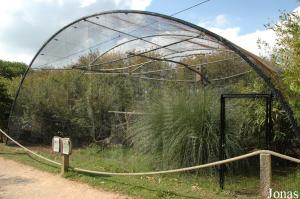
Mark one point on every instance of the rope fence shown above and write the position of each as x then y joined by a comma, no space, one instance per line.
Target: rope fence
202,166
217,163
265,165
30,151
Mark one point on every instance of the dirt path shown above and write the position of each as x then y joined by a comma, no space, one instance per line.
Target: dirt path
20,181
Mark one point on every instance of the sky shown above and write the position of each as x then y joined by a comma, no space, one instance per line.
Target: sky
26,24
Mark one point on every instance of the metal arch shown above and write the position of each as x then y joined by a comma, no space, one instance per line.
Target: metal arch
151,50
241,52
144,63
156,35
132,40
147,62
125,33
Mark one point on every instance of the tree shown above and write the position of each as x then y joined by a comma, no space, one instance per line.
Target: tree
11,69
286,54
8,71
5,103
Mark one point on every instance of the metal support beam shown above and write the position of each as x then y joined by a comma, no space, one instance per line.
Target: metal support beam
270,118
222,142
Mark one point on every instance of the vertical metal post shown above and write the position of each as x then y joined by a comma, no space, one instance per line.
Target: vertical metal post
269,123
267,133
270,118
222,142
265,175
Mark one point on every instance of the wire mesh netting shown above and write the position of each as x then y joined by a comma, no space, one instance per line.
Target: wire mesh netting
141,92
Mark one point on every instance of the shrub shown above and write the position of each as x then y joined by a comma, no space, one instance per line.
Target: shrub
182,130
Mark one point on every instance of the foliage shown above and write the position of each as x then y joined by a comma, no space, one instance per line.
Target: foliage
76,105
253,127
11,69
182,129
286,54
8,71
253,123
5,103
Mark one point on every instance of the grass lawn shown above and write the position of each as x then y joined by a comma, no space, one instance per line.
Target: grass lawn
185,185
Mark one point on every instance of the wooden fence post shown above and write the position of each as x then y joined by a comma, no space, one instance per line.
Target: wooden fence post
265,175
65,164
1,137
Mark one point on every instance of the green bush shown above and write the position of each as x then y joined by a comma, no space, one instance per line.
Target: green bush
182,130
8,72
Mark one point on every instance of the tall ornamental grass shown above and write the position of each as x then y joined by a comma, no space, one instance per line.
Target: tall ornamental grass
181,130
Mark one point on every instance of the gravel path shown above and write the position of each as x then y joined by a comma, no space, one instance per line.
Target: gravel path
19,181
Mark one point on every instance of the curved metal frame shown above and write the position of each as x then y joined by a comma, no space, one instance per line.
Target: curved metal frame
132,40
238,50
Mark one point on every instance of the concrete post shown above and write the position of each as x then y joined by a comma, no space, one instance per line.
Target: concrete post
265,175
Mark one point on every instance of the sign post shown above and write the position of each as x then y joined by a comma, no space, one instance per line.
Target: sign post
65,164
66,152
63,146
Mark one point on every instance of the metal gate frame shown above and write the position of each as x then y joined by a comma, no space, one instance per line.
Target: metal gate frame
268,124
